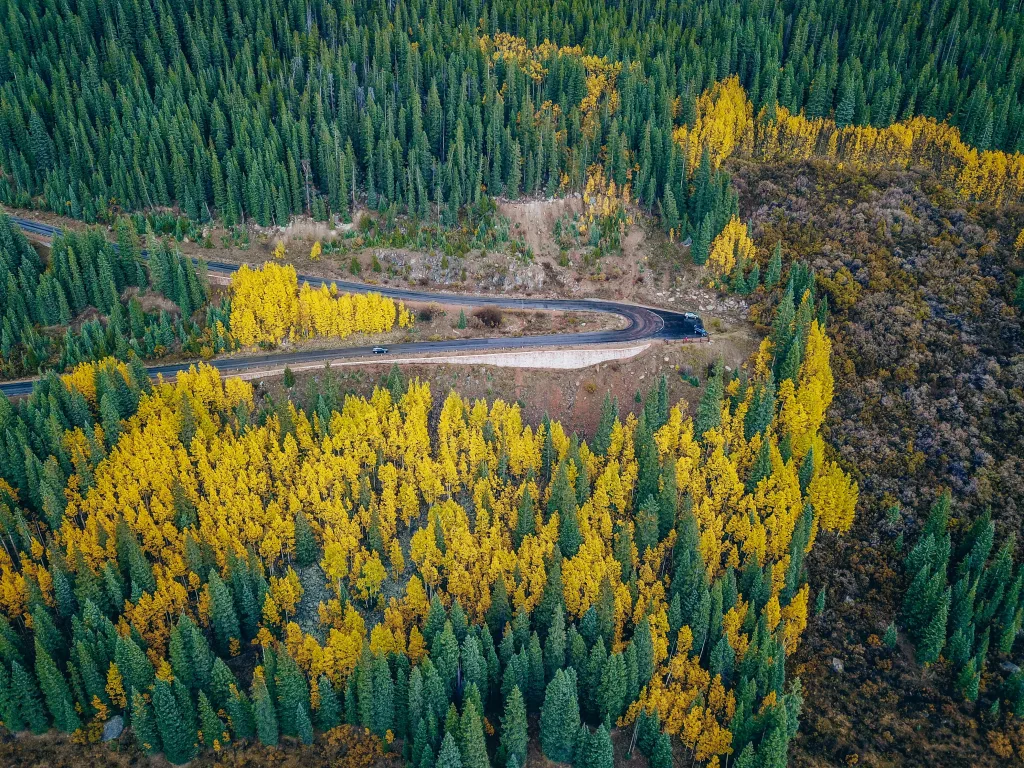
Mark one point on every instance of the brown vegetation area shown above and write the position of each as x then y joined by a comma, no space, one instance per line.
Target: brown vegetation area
929,370
343,746
489,316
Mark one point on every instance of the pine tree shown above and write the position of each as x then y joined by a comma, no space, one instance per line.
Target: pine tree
214,731
190,655
474,667
647,525
363,677
514,738
612,690
605,610
460,624
525,523
402,668
383,717
563,502
599,752
661,754
178,743
133,664
474,746
328,713
668,498
449,756
292,692
535,658
143,726
223,615
622,548
555,645
25,691
10,713
644,644
110,418
609,414
265,715
774,271
1013,692
500,611
669,211
240,712
303,725
445,654
890,637
933,639
436,618
700,247
560,717
968,680
55,689
709,410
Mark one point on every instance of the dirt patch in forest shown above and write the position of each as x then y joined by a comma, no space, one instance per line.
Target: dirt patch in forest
534,220
152,301
85,316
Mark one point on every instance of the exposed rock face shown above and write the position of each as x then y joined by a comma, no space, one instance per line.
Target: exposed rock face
113,728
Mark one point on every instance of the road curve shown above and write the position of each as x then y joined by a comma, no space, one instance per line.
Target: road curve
641,323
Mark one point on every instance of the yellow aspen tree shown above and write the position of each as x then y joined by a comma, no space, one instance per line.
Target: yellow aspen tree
833,495
115,686
731,245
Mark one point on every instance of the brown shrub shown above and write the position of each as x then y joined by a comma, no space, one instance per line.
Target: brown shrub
489,316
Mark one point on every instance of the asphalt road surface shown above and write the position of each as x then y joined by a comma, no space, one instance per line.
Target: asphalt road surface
641,323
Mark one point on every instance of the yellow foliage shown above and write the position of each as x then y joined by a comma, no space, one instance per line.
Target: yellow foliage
271,615
268,306
115,686
794,618
834,497
286,591
732,245
604,204
601,74
992,176
724,124
371,577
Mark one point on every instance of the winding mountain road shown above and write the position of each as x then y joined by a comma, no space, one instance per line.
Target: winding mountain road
641,323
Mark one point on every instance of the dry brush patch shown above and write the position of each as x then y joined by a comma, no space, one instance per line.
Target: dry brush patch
929,366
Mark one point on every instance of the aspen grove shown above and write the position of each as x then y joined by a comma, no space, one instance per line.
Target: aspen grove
477,569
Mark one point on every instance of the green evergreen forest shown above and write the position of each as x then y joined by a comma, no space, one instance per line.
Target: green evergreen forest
260,110
97,283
